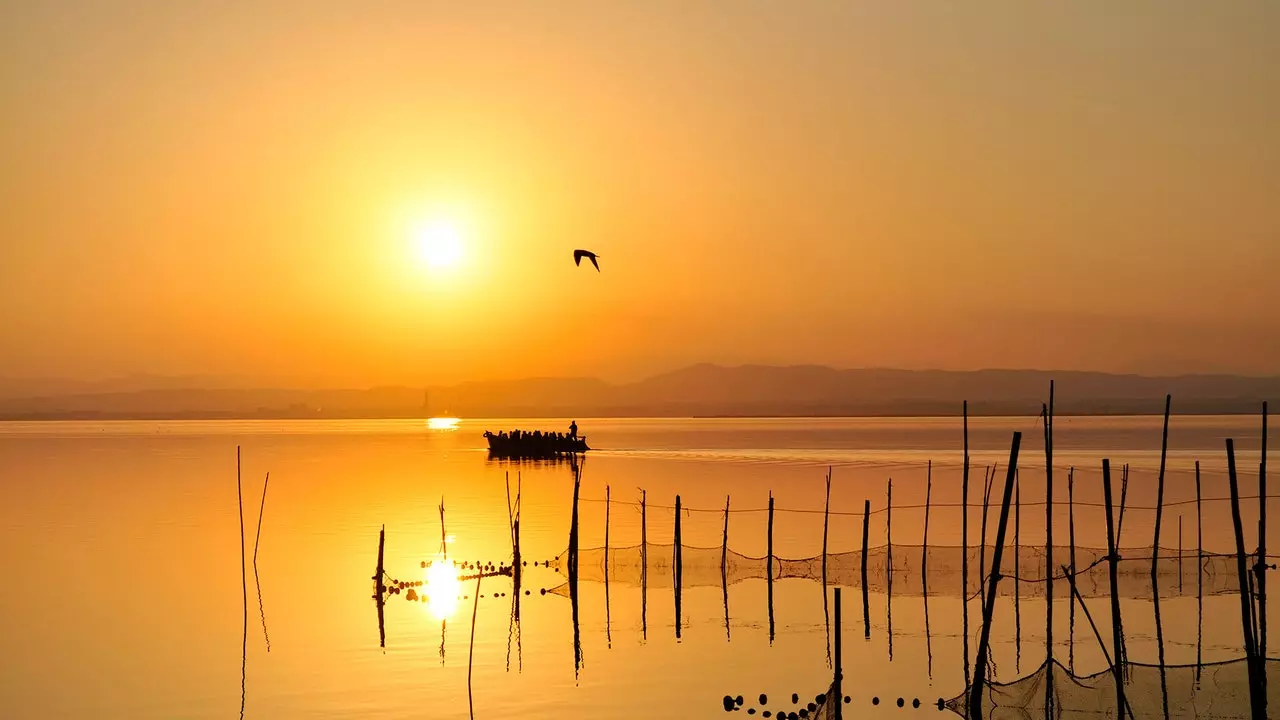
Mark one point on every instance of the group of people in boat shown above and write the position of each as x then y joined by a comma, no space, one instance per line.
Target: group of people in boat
537,436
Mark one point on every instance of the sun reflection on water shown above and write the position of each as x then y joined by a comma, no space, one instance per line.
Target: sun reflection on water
442,423
441,588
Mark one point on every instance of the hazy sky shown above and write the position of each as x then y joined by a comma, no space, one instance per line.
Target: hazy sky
230,188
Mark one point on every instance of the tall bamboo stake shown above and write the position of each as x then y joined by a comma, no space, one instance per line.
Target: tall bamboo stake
826,512
1261,565
1017,574
724,567
1117,631
988,611
1048,555
1199,577
1257,702
964,546
644,569
769,567
837,684
679,569
866,601
606,533
1071,540
888,537
1164,449
924,548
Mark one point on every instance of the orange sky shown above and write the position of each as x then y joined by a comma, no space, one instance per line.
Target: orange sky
201,188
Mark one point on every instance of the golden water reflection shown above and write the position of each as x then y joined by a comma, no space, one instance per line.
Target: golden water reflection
441,588
442,423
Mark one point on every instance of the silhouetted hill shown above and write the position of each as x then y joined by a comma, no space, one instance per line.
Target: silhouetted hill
704,390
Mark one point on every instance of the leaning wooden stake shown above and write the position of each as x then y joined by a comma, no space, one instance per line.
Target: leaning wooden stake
988,610
1071,579
1117,631
1257,702
866,602
964,546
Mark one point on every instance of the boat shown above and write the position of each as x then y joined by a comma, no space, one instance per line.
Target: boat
521,444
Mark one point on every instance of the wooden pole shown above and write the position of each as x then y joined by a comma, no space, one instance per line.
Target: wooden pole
769,568
1049,696
1164,449
1017,574
837,684
606,534
826,512
1257,702
866,601
888,567
924,549
244,579
989,478
724,539
679,569
379,588
573,531
1261,566
1117,631
988,611
1180,563
256,582
1155,558
644,569
724,567
1124,496
1071,541
471,651
1199,577
964,546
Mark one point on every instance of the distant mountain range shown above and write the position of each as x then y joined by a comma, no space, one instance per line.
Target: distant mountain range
699,390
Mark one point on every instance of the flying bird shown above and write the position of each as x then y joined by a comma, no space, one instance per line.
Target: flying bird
579,254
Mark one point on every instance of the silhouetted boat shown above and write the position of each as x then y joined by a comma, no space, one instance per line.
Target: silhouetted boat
527,445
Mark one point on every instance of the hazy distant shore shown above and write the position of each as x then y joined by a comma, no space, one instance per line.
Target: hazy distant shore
703,391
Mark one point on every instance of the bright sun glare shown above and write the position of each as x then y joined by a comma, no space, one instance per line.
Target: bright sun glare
438,244
442,588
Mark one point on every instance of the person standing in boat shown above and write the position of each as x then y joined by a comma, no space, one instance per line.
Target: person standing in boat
573,429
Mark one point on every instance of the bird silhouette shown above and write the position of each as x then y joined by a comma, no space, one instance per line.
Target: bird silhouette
579,254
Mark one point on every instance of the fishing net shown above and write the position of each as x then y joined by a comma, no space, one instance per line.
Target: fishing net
1212,690
940,566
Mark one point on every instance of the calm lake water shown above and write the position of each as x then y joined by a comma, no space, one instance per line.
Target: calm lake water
120,545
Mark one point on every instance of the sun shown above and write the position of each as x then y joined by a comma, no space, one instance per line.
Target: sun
438,244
